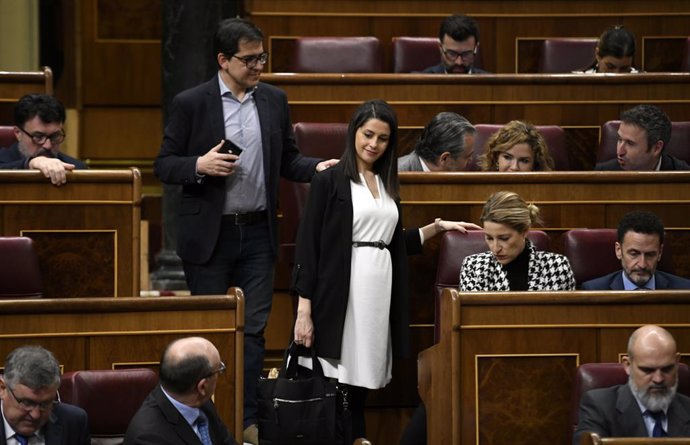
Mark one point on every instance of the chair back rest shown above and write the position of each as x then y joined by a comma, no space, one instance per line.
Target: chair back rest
413,54
554,136
678,146
565,55
110,398
337,55
603,375
685,63
320,140
455,246
592,253
7,137
20,274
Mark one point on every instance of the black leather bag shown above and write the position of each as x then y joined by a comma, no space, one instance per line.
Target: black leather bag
297,409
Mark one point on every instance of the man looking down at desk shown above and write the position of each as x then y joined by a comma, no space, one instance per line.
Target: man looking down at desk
458,45
644,133
648,406
38,127
639,246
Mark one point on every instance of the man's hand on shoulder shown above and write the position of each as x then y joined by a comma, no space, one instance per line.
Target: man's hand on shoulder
216,163
52,168
323,165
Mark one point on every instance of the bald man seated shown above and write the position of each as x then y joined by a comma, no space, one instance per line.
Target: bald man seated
180,410
648,406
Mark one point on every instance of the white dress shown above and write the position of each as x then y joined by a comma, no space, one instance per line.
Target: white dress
366,358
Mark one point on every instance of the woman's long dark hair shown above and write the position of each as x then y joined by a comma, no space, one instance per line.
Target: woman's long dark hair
616,42
386,166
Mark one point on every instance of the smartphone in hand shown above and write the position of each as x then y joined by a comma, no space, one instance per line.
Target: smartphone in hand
230,148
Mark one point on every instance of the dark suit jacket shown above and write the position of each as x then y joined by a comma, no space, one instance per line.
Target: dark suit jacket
441,69
68,425
194,127
614,412
614,281
159,422
411,162
668,163
322,263
12,159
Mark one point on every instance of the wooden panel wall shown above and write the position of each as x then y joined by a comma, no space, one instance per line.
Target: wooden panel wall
501,23
503,370
86,232
93,333
14,85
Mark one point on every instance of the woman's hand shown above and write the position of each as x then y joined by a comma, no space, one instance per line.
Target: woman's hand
461,226
304,326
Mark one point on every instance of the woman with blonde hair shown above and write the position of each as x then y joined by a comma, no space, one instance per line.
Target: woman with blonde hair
517,147
512,262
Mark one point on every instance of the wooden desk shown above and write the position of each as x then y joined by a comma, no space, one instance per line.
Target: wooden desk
86,232
579,103
112,333
503,370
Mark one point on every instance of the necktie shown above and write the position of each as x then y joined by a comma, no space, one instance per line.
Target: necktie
202,426
23,440
658,417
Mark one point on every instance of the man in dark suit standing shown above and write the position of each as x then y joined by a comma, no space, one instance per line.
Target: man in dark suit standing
180,409
458,45
648,406
38,127
643,134
227,217
639,247
30,411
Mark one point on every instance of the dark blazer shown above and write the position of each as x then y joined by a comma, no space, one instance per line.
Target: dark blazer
159,422
668,163
322,263
12,159
441,69
411,162
614,412
68,425
194,127
614,281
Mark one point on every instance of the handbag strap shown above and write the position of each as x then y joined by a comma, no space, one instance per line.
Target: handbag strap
290,370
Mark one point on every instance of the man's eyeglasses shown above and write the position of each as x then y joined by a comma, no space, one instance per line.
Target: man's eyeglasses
41,138
465,55
221,369
30,405
252,61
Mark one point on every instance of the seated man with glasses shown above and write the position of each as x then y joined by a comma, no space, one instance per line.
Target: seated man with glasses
38,121
458,46
30,410
180,409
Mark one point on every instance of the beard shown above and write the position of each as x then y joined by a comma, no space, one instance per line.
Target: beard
658,400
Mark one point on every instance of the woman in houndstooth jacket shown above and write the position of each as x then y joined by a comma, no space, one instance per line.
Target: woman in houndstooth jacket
512,263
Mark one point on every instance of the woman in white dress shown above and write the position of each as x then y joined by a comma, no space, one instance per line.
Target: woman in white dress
350,263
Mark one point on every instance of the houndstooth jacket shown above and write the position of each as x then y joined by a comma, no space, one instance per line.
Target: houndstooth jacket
546,271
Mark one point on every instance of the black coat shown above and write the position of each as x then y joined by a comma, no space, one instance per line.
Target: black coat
12,159
668,163
322,263
159,422
194,127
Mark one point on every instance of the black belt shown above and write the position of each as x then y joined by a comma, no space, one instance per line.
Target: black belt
244,219
379,244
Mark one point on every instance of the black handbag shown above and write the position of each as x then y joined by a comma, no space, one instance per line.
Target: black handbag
297,409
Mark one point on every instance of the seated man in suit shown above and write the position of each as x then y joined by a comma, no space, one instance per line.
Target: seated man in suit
180,409
38,122
648,406
643,135
31,413
458,45
446,144
639,246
